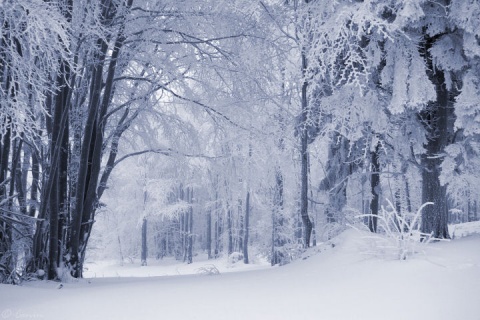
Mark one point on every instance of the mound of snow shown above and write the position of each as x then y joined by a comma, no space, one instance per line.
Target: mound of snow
464,229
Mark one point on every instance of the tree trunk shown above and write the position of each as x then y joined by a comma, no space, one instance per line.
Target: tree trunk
217,225
240,227
375,186
218,230
307,224
437,120
5,238
247,228
209,234
230,231
101,93
21,173
57,197
475,214
35,184
278,240
190,228
144,242
217,237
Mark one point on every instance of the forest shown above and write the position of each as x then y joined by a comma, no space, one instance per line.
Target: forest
140,130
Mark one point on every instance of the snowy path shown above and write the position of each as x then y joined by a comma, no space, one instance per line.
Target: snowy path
338,283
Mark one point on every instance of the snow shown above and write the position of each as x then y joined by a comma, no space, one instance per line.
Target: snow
167,267
335,280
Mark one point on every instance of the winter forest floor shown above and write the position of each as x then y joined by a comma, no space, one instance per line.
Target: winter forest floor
336,281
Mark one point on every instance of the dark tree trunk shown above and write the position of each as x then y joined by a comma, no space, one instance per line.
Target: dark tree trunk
209,234
240,227
21,173
475,213
307,224
5,239
216,226
407,196
190,228
434,217
437,120
35,184
314,233
144,242
230,231
471,212
217,238
374,187
186,222
246,228
86,198
278,240
218,229
57,198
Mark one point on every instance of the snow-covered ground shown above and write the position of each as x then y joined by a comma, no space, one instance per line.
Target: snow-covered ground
168,267
334,281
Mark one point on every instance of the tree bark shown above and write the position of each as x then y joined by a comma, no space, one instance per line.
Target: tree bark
190,228
374,187
247,228
230,231
144,242
278,221
307,223
5,237
57,197
437,120
101,94
218,227
209,235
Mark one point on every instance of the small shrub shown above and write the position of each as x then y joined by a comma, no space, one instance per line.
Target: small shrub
398,234
208,270
235,257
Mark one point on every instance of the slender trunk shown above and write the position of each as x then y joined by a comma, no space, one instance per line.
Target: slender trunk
186,221
307,224
21,178
190,228
374,185
475,214
470,211
407,196
35,184
5,239
15,165
314,233
230,231
218,232
122,126
209,234
247,228
217,238
239,227
144,242
278,221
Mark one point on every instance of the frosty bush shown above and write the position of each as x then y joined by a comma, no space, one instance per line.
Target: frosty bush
398,234
208,270
235,257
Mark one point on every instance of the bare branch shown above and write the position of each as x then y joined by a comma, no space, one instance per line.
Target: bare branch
165,152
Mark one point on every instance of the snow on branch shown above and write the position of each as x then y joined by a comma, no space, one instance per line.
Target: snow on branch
165,152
